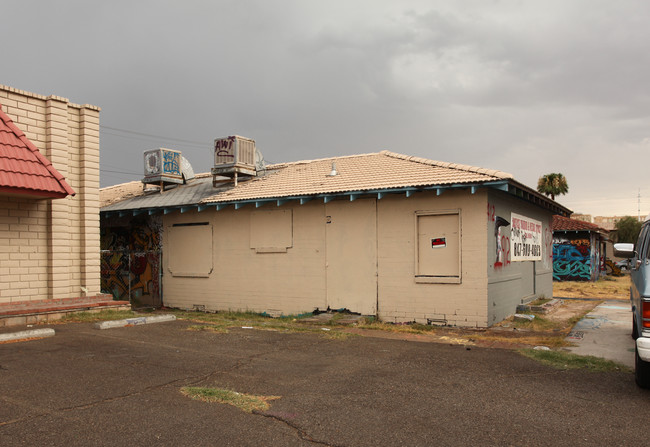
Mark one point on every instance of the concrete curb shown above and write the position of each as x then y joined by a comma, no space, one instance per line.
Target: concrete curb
134,321
33,333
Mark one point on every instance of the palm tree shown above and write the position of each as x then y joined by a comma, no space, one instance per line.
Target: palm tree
552,185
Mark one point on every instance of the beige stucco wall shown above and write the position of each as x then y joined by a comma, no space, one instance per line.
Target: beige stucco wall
49,248
515,283
401,298
295,280
242,278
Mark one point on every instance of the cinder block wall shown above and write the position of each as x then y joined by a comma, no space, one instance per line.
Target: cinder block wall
49,248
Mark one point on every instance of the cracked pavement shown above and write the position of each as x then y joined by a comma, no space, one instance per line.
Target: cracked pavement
121,387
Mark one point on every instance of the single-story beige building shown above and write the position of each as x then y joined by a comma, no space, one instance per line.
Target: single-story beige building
49,198
385,234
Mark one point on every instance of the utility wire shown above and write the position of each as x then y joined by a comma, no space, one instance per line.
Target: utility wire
158,137
120,172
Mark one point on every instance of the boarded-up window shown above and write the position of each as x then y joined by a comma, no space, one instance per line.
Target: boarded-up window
190,249
437,258
271,231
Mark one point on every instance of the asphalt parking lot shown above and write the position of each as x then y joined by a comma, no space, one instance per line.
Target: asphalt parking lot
122,387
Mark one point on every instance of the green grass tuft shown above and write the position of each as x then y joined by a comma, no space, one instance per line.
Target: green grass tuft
565,360
209,328
245,402
84,317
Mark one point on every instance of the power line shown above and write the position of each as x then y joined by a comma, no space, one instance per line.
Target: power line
120,172
159,137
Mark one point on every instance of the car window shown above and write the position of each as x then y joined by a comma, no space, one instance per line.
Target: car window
642,244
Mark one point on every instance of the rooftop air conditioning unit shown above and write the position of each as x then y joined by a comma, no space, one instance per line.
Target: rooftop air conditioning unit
234,154
164,166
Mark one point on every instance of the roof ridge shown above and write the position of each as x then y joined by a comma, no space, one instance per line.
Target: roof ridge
578,222
40,157
443,164
119,185
302,162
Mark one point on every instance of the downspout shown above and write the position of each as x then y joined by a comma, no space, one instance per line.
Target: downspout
377,258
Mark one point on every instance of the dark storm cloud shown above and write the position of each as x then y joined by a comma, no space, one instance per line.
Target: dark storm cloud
525,87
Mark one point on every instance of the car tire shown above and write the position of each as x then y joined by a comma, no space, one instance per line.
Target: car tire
641,371
635,333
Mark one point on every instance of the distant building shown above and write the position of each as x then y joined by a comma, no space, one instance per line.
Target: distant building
582,217
607,222
577,249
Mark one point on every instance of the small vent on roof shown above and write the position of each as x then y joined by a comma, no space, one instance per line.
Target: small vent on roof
333,172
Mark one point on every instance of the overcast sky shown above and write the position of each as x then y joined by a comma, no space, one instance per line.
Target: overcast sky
526,87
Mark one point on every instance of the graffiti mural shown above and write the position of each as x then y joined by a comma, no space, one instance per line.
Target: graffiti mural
131,262
503,243
503,255
572,260
131,276
172,163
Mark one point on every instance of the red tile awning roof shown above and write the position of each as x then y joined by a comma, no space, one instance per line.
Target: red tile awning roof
561,223
23,169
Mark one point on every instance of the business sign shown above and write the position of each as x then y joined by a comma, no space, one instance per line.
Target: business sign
439,242
526,238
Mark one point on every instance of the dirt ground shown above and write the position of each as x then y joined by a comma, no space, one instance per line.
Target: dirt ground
609,287
571,308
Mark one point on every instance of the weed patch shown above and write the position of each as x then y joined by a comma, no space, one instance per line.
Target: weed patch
208,328
606,288
104,315
220,322
411,328
245,402
565,360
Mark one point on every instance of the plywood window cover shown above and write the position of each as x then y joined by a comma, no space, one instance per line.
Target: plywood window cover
181,262
278,241
433,279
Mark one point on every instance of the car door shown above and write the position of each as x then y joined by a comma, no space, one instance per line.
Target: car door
639,271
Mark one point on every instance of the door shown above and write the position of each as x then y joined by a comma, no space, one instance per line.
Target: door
351,255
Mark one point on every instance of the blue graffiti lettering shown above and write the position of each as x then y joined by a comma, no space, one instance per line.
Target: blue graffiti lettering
171,163
570,263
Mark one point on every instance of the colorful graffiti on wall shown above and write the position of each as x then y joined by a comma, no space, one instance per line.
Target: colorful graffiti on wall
132,276
572,259
503,255
131,262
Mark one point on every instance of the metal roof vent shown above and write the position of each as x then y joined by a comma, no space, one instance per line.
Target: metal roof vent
333,172
186,169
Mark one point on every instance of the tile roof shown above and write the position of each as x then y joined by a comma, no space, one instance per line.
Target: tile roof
383,170
561,223
117,193
23,169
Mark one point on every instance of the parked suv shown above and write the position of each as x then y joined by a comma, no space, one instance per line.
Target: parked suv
640,299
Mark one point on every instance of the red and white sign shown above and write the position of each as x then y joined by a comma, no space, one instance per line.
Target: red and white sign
526,238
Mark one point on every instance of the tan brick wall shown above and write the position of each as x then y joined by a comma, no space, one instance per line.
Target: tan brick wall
50,248
23,249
